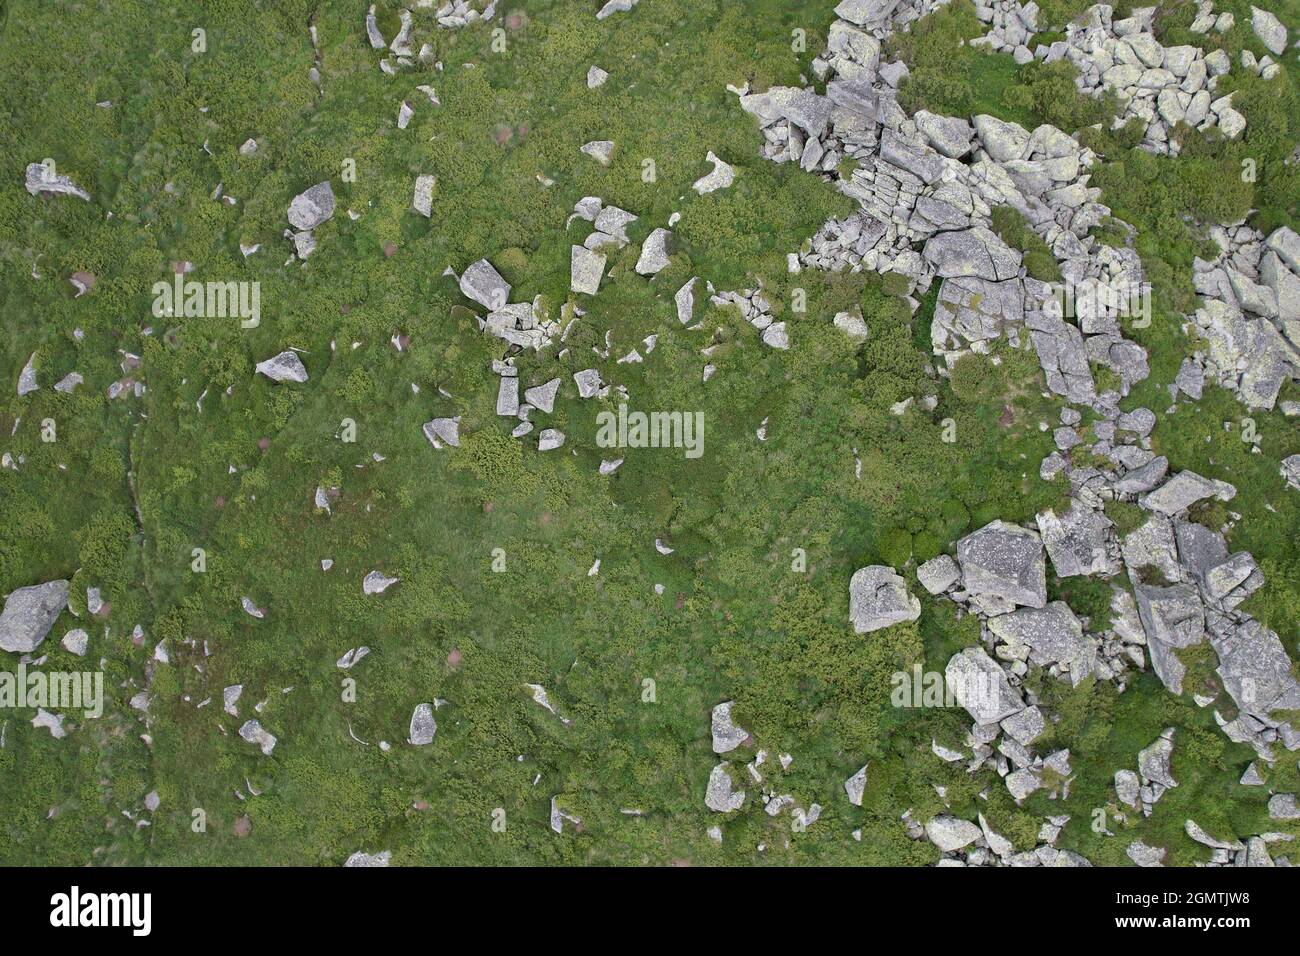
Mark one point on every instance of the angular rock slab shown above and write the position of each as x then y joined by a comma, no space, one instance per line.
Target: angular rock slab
1004,562
878,598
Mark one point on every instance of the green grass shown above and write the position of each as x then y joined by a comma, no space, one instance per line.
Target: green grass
148,480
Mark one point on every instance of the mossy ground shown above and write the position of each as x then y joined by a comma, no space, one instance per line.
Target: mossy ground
149,480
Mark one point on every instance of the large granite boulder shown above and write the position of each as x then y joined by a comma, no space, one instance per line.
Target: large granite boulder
878,597
1002,564
981,686
29,613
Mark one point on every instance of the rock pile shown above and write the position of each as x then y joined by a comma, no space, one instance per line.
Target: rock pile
1157,85
1249,317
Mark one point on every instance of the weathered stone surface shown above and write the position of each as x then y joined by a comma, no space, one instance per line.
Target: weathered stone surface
685,301
285,367
719,795
1154,760
1003,141
423,199
482,283
29,613
855,786
1004,563
1282,806
1144,855
42,178
938,574
981,686
255,733
588,382
654,253
1127,787
1144,478
27,377
360,859
376,582
803,108
949,135
1172,618
423,726
1269,29
542,397
1291,471
1194,830
951,833
312,207
972,252
585,269
1183,490
443,430
1053,635
722,176
726,735
878,598
1025,726
76,641
1256,670
601,150
1079,542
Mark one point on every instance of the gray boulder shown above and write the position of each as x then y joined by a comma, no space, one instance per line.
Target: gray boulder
719,795
586,267
423,726
878,598
972,252
1173,618
312,207
285,367
1079,542
482,283
43,179
951,833
1053,635
29,613
726,735
981,686
950,135
1184,490
1256,670
1269,29
938,574
1004,564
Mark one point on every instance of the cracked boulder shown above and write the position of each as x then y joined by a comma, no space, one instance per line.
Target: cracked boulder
981,686
1002,565
878,598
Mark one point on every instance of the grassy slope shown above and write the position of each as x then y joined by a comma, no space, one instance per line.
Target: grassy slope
734,621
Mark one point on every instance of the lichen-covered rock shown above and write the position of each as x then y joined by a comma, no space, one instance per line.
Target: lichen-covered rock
981,686
878,598
1004,563
29,613
423,726
726,735
312,207
285,367
719,795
